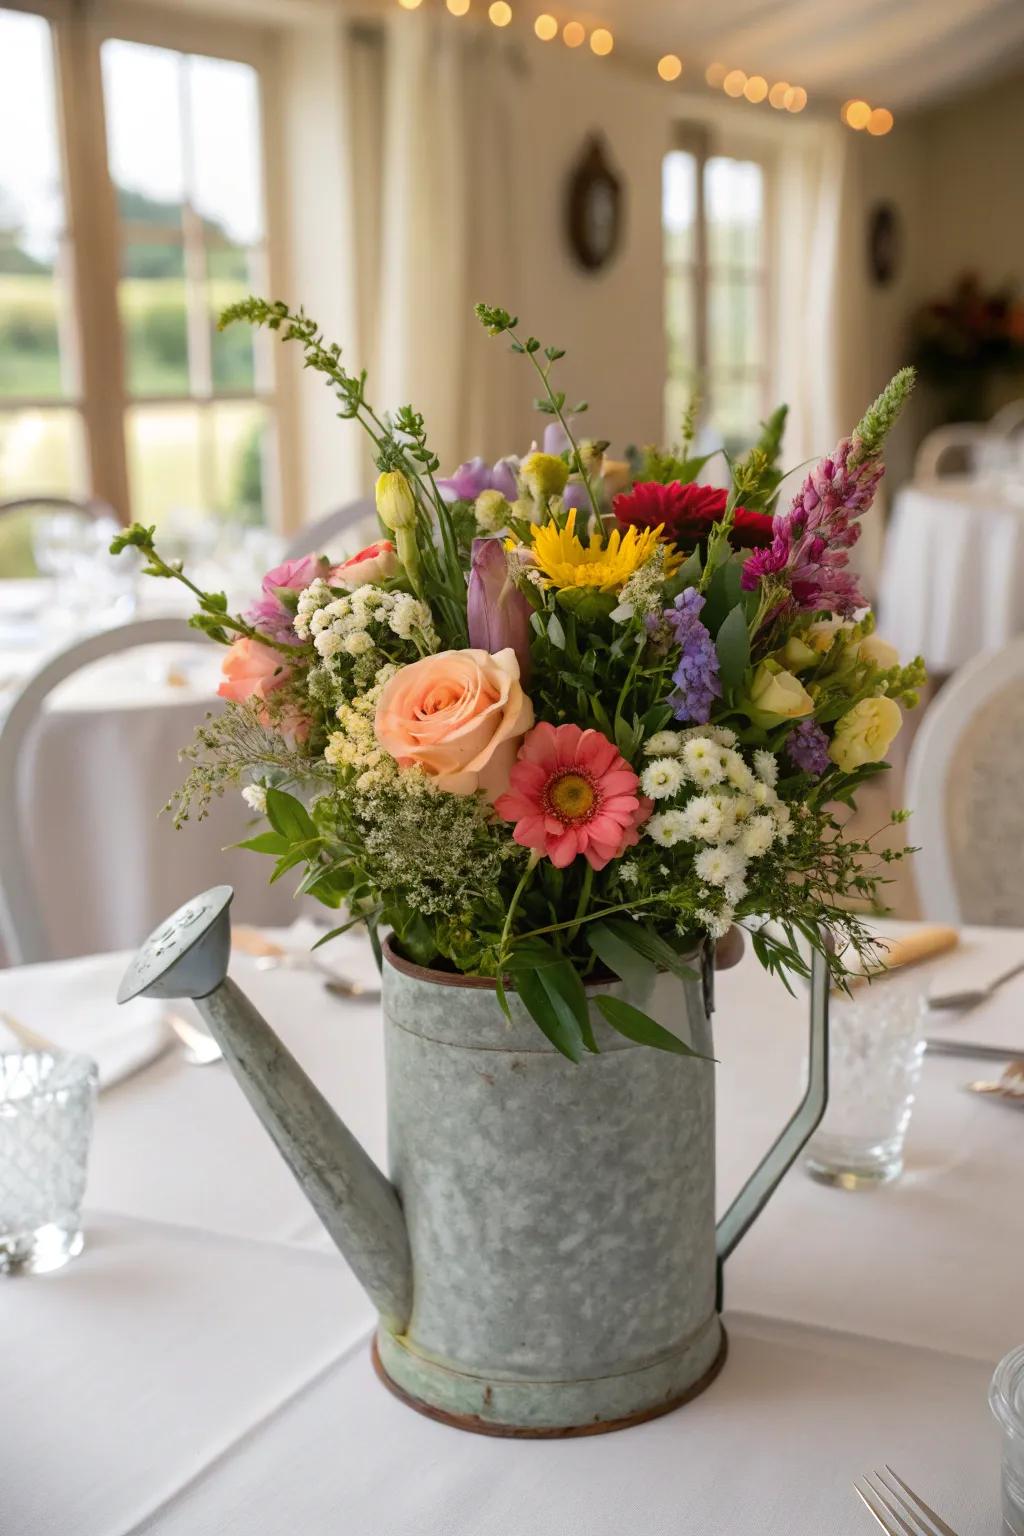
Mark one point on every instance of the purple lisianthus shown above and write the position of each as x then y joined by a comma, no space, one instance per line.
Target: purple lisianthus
476,475
497,613
696,676
274,612
809,552
807,748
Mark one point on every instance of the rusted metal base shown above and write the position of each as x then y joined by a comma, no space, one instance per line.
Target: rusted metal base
478,1426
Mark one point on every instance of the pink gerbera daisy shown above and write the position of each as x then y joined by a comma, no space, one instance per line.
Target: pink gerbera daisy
571,792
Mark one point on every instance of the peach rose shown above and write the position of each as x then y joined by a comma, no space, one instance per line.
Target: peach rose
460,716
251,670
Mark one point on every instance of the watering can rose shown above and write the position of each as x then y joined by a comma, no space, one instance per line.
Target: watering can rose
460,716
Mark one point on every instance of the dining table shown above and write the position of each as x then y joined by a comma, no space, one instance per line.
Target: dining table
203,1368
952,574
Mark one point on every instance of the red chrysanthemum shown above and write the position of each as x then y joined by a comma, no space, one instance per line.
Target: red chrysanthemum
688,512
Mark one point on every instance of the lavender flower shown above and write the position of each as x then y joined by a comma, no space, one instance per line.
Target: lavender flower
475,476
696,676
807,748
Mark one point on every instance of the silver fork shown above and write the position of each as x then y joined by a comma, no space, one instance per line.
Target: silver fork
923,1520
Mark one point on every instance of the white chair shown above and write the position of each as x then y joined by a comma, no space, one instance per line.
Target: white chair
1009,420
962,444
963,787
314,538
81,839
90,506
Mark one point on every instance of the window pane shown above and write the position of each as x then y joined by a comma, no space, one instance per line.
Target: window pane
736,406
229,278
40,453
733,203
142,90
240,437
154,325
30,364
679,205
735,334
225,156
165,463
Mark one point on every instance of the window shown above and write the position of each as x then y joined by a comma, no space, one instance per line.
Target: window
714,222
173,418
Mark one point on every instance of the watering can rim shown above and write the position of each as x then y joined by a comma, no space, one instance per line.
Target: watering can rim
488,983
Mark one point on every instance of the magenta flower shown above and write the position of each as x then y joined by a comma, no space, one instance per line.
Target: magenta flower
476,475
497,612
809,552
274,612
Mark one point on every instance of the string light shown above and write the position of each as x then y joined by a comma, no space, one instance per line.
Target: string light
715,74
573,33
880,121
546,27
856,114
777,95
601,42
409,5
756,89
458,7
735,83
500,13
670,67
795,99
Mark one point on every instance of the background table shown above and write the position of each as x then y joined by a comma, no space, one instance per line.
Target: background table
203,1367
952,581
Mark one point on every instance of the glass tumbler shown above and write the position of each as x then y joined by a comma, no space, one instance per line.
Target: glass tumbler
876,1046
46,1115
1006,1397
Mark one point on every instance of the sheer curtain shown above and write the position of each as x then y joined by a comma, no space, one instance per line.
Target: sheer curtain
434,134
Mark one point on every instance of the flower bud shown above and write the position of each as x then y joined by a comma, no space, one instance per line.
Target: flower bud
544,475
776,695
396,505
492,511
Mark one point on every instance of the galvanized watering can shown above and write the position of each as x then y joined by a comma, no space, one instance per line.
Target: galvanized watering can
544,1256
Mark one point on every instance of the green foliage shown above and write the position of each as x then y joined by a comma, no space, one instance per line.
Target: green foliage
642,1029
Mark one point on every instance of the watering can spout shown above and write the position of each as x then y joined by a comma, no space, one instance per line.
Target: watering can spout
187,956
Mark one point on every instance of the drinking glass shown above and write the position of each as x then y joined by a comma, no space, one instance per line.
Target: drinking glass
46,1114
876,1047
1006,1398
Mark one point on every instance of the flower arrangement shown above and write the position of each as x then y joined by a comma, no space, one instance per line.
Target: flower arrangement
961,340
568,715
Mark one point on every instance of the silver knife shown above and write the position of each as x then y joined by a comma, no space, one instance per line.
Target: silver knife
967,1048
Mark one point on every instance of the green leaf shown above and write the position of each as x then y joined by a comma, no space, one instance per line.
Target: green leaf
336,933
556,634
265,842
564,1033
289,816
733,647
568,997
612,949
638,1026
651,945
625,737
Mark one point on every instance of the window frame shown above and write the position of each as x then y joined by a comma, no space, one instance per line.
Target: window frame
706,142
93,232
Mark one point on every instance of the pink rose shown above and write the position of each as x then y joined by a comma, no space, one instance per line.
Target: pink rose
251,671
377,562
460,716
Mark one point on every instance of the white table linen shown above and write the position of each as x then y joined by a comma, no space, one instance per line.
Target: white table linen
864,1327
952,580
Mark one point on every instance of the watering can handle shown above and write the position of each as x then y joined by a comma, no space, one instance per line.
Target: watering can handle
761,1185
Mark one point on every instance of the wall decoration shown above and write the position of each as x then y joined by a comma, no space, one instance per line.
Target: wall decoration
885,243
594,207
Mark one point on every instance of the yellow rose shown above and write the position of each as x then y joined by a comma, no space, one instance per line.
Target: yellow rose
779,694
820,636
797,654
865,733
878,652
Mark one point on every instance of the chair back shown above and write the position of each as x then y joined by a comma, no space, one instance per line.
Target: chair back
963,787
90,506
959,448
22,926
315,537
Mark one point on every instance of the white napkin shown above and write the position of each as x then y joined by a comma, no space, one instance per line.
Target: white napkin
349,956
80,1014
982,955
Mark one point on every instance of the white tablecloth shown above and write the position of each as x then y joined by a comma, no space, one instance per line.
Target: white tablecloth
95,776
864,1328
952,580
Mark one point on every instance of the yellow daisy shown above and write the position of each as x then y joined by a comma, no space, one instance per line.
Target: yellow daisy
605,566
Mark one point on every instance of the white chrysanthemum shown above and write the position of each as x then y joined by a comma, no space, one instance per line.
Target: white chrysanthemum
703,818
735,889
736,771
358,643
255,797
723,735
663,744
766,766
757,836
409,615
327,644
703,759
662,778
716,923
666,828
717,865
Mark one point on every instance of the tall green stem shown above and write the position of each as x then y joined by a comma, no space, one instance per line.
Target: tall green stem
542,374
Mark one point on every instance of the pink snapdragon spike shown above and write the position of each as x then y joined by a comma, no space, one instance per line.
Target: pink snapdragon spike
497,613
809,552
571,792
